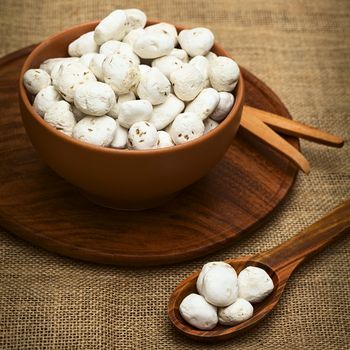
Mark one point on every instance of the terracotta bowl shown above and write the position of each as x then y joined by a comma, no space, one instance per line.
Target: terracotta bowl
120,178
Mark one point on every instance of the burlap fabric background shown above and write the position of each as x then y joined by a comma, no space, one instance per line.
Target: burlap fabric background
301,50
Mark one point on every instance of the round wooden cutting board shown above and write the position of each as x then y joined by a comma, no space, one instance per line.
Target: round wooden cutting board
232,200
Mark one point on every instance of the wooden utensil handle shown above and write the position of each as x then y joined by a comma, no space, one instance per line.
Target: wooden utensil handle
260,130
294,128
311,240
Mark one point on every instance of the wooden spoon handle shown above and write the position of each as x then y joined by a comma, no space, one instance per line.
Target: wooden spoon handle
311,240
259,129
294,128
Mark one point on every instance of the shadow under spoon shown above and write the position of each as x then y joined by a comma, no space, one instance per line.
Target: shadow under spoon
279,263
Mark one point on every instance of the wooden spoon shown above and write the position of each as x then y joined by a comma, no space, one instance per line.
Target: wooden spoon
279,262
294,128
260,130
262,125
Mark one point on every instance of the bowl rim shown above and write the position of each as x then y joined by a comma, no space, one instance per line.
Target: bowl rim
239,100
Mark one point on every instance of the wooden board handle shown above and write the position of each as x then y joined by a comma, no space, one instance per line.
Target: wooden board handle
294,128
310,241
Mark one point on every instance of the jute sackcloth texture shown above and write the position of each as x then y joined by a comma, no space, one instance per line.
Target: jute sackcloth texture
299,48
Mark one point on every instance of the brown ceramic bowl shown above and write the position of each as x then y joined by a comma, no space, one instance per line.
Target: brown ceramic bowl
121,178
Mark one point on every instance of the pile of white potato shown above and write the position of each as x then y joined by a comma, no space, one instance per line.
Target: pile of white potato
130,86
223,297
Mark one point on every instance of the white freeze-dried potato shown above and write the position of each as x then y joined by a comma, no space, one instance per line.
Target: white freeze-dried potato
61,117
164,140
167,64
206,267
114,111
254,284
223,74
86,59
196,41
120,73
98,131
45,98
154,86
120,137
129,85
241,310
204,104
211,56
94,98
224,107
133,35
130,96
167,129
142,135
84,44
112,27
209,125
144,68
163,28
166,112
55,69
69,77
180,54
186,127
131,112
110,47
135,19
96,65
153,44
198,312
79,115
220,286
114,47
202,64
35,80
48,64
187,82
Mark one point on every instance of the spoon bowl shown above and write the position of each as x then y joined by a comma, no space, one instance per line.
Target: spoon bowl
278,262
221,332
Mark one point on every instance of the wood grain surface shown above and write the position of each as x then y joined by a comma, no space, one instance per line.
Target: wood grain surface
233,200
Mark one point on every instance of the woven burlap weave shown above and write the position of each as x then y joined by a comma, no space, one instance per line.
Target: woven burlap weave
299,48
